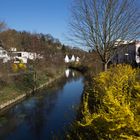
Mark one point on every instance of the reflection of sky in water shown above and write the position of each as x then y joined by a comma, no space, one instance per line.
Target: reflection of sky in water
45,114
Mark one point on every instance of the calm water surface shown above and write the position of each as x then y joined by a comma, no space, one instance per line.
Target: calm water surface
44,116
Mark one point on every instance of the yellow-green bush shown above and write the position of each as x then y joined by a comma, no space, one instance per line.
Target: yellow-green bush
22,66
14,67
118,115
19,66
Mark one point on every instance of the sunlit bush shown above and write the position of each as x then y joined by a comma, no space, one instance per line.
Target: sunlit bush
118,93
19,67
22,66
14,67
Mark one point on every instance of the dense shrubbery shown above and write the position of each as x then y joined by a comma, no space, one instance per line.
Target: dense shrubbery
25,82
111,108
18,67
79,67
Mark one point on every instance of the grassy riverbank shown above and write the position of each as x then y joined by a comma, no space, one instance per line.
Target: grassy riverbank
111,104
25,83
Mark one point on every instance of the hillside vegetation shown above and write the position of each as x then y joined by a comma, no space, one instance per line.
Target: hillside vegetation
16,79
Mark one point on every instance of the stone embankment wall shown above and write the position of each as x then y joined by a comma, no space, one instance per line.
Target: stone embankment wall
23,96
12,101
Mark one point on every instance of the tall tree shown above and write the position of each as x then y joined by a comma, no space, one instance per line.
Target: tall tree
3,26
100,23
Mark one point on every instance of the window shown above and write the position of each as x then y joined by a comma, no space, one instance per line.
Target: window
138,52
3,52
19,54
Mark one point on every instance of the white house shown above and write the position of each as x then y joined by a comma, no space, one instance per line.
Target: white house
77,59
138,52
13,49
67,60
127,53
72,58
4,55
24,56
20,56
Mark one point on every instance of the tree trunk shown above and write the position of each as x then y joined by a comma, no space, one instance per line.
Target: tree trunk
105,66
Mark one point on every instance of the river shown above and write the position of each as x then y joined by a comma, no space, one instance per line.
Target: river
44,116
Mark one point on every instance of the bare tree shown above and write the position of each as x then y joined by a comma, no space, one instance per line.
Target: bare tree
3,26
100,23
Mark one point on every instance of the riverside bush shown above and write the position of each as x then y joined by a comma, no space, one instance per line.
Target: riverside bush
14,67
25,82
19,67
118,94
22,66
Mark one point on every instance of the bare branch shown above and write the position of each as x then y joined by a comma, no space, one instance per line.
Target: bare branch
98,24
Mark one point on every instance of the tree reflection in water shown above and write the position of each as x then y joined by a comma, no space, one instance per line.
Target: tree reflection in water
45,114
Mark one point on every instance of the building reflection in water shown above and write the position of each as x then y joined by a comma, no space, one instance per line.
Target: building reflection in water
69,73
73,73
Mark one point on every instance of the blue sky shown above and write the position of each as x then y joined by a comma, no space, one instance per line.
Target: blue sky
45,16
42,16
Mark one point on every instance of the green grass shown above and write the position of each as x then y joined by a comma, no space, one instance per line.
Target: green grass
24,84
8,93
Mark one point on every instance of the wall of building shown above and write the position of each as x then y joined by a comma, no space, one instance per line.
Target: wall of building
138,52
126,53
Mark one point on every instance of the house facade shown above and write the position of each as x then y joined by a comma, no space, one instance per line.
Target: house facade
4,55
66,59
138,53
17,56
128,53
72,59
24,56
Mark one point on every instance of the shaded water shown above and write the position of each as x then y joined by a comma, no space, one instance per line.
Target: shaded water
45,115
